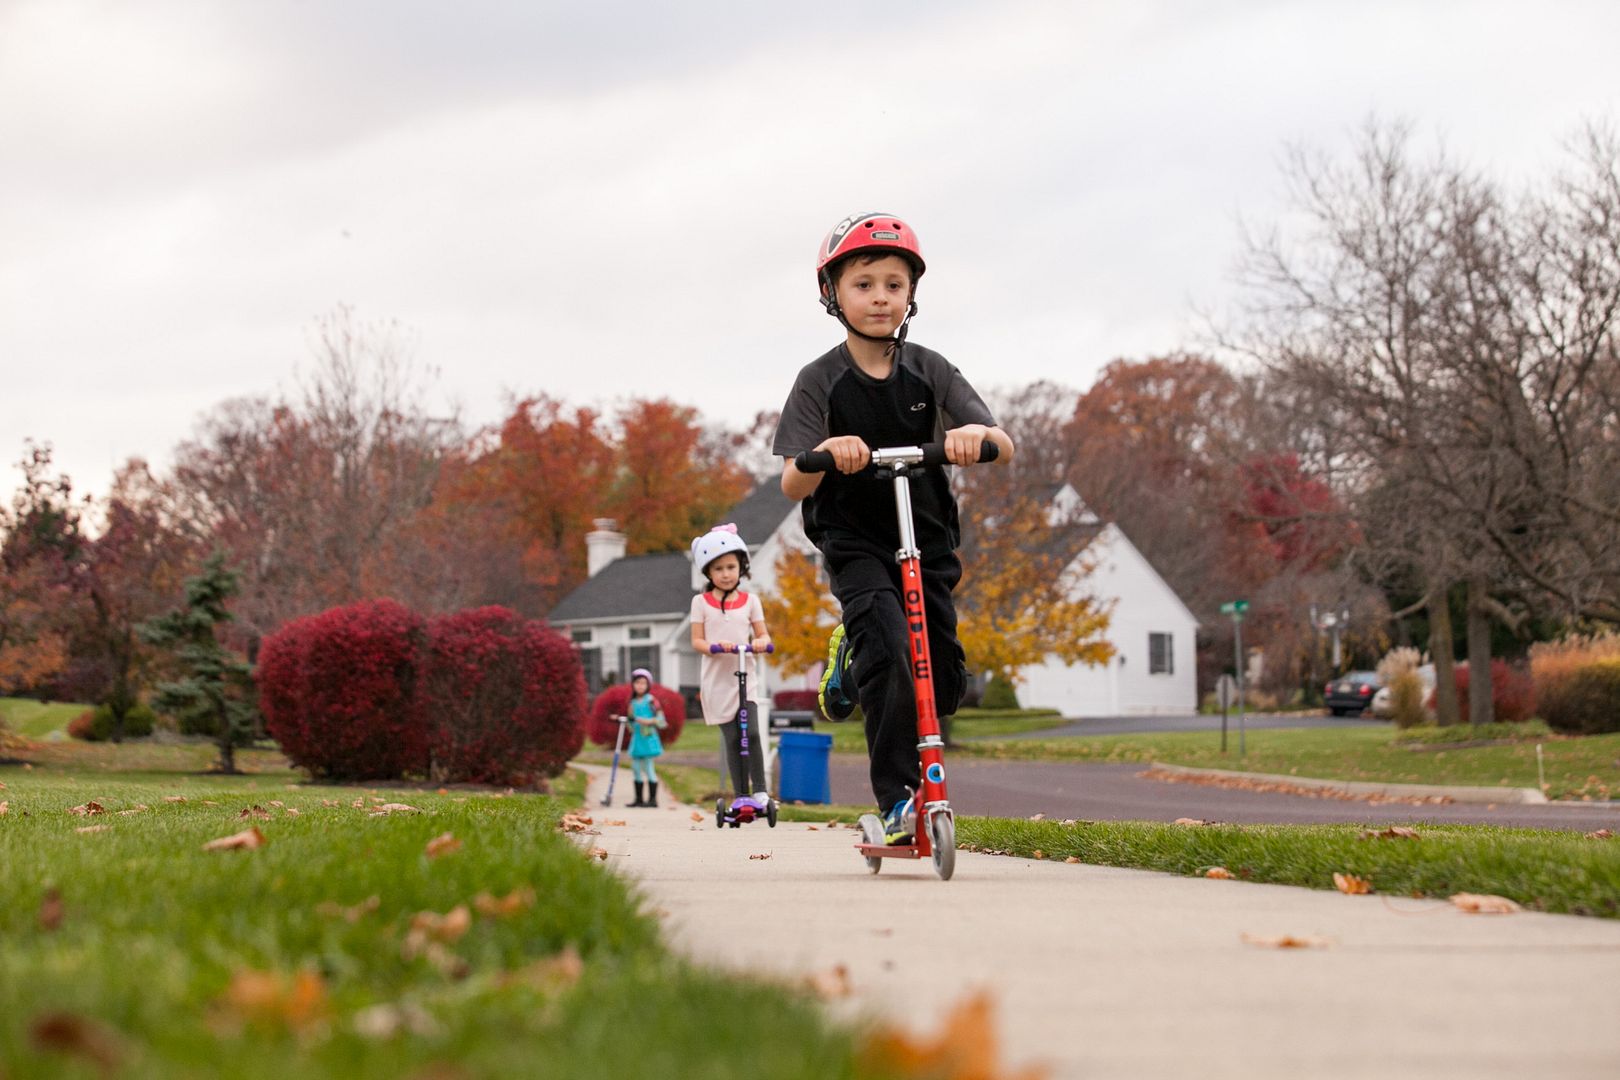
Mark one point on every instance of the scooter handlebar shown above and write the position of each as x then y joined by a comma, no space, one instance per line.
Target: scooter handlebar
720,647
820,461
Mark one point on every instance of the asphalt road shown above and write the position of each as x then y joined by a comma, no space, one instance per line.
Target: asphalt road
1120,793
1136,725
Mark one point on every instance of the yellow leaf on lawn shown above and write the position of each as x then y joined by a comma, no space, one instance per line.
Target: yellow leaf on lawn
965,1049
92,828
248,840
271,999
1485,904
1038,853
1072,859
1218,872
1349,883
443,844
550,974
1598,834
1193,821
138,808
1287,941
85,809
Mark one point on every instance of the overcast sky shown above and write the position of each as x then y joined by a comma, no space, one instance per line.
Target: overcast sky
595,199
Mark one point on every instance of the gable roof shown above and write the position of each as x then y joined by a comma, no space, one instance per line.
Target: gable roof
761,513
637,585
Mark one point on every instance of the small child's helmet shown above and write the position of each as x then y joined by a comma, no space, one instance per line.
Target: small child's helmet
718,541
641,673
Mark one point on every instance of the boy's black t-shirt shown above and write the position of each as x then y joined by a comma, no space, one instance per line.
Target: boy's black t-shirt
923,397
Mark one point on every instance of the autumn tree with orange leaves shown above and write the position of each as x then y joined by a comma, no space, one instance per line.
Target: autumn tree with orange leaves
800,611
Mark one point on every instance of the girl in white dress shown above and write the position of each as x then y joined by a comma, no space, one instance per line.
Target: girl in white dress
724,615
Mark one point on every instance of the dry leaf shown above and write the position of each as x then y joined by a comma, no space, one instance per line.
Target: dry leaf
443,844
1072,859
5,808
248,839
1599,834
761,857
330,802
449,927
291,811
696,816
393,808
85,809
830,984
271,999
174,798
1394,832
332,909
809,828
501,906
386,1020
1037,817
51,910
92,828
254,811
550,974
599,853
76,1036
1193,821
1351,885
1038,853
138,808
1485,904
610,823
965,1048
277,802
574,822
1288,941
1219,872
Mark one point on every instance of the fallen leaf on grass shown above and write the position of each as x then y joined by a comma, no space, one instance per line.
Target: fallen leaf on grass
387,1020
575,822
174,798
291,811
1394,832
449,927
1038,854
1037,817
762,856
443,844
272,999
1193,821
1484,904
86,809
501,906
393,808
5,808
1351,885
248,840
51,910
1287,941
1219,872
1599,834
138,808
330,802
92,828
1072,859
550,974
830,984
254,811
76,1036
965,1049
333,910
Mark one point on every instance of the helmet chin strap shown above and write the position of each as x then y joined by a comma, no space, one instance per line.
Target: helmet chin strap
897,339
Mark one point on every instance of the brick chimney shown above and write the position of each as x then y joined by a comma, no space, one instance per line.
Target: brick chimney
603,545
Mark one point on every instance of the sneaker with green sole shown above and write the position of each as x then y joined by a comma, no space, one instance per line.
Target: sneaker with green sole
899,824
835,695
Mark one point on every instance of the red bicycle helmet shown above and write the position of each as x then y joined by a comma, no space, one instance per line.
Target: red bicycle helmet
862,232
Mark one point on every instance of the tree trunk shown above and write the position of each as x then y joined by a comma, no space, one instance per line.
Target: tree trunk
1480,706
1442,649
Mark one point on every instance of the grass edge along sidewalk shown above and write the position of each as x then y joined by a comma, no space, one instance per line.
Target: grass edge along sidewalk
464,933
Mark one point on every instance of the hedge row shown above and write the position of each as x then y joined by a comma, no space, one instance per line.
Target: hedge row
374,691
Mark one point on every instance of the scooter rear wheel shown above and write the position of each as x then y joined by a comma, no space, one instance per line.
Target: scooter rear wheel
770,812
720,813
942,837
872,833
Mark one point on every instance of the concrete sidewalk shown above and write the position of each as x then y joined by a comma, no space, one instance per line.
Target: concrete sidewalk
1101,972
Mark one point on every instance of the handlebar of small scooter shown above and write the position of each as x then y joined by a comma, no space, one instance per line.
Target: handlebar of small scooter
747,646
820,461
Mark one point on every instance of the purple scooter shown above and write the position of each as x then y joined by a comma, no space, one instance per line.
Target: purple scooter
746,806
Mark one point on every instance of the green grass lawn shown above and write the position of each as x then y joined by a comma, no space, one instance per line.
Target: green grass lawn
35,720
1576,768
132,945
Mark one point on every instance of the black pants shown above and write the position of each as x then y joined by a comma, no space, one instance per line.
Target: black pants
866,581
747,774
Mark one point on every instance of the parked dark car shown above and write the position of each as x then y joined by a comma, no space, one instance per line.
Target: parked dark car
1350,693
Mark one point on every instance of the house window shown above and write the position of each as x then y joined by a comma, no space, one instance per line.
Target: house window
591,660
644,656
641,633
1161,659
582,637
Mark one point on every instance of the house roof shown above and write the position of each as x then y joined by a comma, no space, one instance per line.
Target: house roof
761,513
637,585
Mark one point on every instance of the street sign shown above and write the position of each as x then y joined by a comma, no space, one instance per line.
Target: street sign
1225,691
1234,607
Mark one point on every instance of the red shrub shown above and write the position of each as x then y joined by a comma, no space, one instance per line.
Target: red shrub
338,691
798,701
1513,693
83,726
504,696
615,701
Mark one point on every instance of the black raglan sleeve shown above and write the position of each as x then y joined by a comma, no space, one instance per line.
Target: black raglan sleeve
803,423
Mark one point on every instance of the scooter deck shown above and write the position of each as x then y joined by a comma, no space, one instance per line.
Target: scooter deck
884,851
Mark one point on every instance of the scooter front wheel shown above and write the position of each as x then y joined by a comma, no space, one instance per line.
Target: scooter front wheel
720,813
872,835
942,837
770,812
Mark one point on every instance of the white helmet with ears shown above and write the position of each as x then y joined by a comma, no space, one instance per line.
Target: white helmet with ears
718,541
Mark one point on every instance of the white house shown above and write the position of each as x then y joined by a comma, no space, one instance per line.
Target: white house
633,611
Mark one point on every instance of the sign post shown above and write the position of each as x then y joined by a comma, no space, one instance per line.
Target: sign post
1236,608
1225,691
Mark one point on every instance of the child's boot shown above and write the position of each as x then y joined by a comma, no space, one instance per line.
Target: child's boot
652,788
638,801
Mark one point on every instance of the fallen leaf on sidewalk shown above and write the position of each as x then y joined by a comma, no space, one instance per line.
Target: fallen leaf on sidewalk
599,853
766,855
831,984
965,1049
1287,941
1394,832
612,824
248,840
443,844
574,822
696,816
1351,885
1038,853
1220,873
808,828
1072,859
1484,904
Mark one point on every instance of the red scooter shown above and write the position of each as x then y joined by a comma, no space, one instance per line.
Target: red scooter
935,835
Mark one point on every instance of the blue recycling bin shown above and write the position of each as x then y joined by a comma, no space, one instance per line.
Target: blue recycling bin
804,756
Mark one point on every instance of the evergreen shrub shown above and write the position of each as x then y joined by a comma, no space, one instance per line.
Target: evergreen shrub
95,725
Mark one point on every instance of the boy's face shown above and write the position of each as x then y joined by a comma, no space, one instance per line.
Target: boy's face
726,571
874,295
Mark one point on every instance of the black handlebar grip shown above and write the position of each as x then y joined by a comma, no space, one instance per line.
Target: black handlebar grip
814,461
820,461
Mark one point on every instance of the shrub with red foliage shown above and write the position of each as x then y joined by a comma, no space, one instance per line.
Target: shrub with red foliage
615,701
338,691
1513,692
503,696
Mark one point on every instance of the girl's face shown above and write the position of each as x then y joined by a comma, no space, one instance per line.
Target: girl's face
639,686
726,571
875,295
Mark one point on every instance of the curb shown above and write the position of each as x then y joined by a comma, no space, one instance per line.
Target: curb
1456,793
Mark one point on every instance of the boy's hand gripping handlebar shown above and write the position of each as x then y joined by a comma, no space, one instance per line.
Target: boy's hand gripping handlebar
820,461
